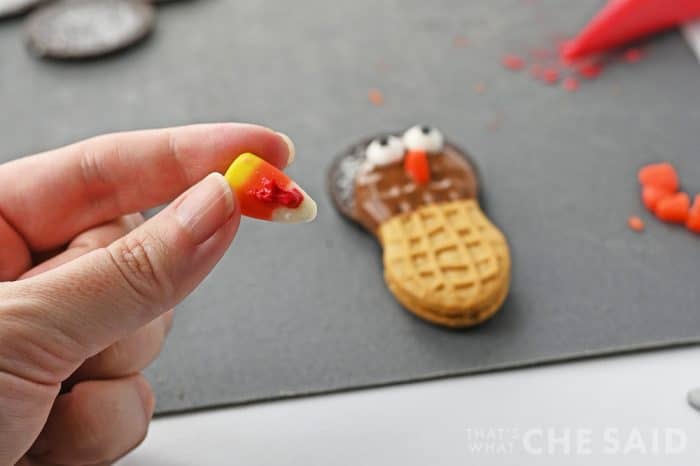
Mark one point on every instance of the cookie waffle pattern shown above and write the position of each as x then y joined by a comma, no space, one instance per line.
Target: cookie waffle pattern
446,262
468,319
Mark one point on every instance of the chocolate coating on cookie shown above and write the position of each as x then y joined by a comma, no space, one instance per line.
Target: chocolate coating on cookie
381,192
370,194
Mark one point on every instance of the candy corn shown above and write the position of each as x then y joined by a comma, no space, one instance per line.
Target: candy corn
266,193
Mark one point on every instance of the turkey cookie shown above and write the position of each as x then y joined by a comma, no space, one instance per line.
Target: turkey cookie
417,194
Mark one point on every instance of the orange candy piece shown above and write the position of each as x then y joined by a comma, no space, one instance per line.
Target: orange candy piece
376,97
660,175
693,222
416,164
674,208
660,195
635,223
651,195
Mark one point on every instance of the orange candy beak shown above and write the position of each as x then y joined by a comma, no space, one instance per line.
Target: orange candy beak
416,165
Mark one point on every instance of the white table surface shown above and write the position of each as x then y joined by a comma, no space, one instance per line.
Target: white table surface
625,410
615,410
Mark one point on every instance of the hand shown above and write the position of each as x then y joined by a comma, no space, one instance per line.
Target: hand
86,286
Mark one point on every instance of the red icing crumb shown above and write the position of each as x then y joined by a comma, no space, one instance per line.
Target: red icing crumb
495,123
674,208
536,71
460,42
590,70
480,88
271,192
633,55
550,75
513,62
541,53
635,223
383,67
376,97
570,84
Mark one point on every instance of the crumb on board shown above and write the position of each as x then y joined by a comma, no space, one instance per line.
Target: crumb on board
460,42
571,84
633,55
590,70
480,88
383,67
548,64
513,62
495,123
376,97
550,75
536,71
635,223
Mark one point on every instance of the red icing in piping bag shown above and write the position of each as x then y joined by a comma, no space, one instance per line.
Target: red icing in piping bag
622,21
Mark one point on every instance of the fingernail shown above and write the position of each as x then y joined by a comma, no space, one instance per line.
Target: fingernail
206,207
290,147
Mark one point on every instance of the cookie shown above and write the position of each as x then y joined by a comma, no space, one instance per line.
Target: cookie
10,8
78,29
444,260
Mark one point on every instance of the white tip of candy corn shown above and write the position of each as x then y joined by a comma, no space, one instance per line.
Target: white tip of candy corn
305,212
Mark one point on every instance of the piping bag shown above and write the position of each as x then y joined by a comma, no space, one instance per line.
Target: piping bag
622,21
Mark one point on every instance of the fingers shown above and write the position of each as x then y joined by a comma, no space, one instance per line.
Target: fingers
90,240
15,257
96,422
129,355
24,406
133,353
111,292
51,197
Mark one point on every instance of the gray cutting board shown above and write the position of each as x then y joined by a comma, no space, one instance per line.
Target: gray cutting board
558,176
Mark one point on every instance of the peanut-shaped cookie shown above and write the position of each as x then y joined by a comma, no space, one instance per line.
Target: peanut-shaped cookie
418,194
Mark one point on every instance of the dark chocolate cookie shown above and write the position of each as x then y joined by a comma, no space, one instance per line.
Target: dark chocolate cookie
10,8
75,29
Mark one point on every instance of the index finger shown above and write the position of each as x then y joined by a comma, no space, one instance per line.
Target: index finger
51,197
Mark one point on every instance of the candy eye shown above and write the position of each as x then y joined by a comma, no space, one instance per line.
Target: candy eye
424,138
385,150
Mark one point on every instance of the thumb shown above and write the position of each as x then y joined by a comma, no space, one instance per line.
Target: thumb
87,304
